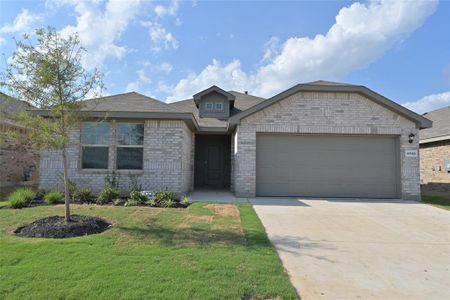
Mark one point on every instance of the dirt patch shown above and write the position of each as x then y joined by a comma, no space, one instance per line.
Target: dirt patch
226,210
56,227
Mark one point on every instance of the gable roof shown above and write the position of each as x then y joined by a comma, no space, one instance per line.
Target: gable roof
216,89
242,102
325,86
441,126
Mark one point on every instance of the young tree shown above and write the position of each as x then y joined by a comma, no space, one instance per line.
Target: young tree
46,71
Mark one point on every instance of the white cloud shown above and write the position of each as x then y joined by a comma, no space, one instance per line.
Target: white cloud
271,49
171,10
362,33
429,103
228,76
165,67
160,36
143,77
2,41
101,26
132,87
23,22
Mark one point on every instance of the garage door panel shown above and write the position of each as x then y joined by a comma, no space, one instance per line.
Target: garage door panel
326,166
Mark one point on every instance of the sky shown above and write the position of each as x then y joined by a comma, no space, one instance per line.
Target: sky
170,50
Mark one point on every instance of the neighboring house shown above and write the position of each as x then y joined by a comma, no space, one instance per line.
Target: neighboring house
319,139
435,154
19,162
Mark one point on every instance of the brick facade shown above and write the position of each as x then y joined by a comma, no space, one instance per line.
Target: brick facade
434,177
323,113
168,162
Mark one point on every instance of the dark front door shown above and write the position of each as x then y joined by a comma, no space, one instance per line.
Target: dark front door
212,161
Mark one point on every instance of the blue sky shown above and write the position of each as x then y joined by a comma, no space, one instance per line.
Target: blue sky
172,49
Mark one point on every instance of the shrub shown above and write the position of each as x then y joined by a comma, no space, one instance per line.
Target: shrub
83,195
107,195
131,202
169,203
21,197
165,199
53,197
138,196
151,203
185,200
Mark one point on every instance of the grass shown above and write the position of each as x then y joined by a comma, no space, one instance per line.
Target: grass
203,252
438,201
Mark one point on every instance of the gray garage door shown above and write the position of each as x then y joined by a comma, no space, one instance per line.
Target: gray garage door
326,166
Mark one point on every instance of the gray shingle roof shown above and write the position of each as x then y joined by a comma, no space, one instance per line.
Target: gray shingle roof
12,105
128,102
441,125
242,102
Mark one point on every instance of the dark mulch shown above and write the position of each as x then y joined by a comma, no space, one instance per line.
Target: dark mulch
56,227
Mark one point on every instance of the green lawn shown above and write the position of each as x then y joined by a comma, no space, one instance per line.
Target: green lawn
203,252
438,201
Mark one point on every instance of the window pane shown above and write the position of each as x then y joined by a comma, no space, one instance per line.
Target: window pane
96,133
94,158
219,106
130,134
129,158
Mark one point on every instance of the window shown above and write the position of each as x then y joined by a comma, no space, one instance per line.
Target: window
209,106
95,145
219,106
130,146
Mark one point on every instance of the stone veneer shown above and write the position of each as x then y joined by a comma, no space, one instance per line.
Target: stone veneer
323,113
168,161
435,178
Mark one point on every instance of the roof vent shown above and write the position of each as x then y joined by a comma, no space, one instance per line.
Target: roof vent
246,92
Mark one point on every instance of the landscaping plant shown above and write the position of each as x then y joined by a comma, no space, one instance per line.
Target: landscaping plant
22,197
83,195
138,196
53,197
107,195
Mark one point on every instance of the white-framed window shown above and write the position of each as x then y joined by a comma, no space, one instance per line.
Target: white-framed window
130,146
95,145
208,106
219,106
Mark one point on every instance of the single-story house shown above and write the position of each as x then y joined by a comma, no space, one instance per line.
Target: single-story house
318,139
435,154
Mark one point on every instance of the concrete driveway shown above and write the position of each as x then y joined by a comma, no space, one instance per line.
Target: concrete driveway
359,249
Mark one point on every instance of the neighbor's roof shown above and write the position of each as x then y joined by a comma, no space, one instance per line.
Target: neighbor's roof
10,104
441,126
328,86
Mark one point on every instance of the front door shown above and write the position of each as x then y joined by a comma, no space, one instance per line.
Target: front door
212,161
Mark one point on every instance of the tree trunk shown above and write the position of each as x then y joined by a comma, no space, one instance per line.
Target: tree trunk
66,185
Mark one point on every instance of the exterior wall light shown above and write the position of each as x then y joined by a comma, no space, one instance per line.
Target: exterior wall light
411,138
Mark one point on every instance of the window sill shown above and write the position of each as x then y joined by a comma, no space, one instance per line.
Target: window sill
106,171
131,172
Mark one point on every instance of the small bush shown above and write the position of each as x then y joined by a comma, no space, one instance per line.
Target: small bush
185,200
162,197
53,197
131,202
118,202
138,196
21,198
151,203
83,195
107,195
169,203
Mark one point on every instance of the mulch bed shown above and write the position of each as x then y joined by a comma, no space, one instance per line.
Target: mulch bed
56,227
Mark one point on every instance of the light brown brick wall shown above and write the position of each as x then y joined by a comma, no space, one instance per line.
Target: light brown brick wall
324,113
434,177
17,158
167,161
